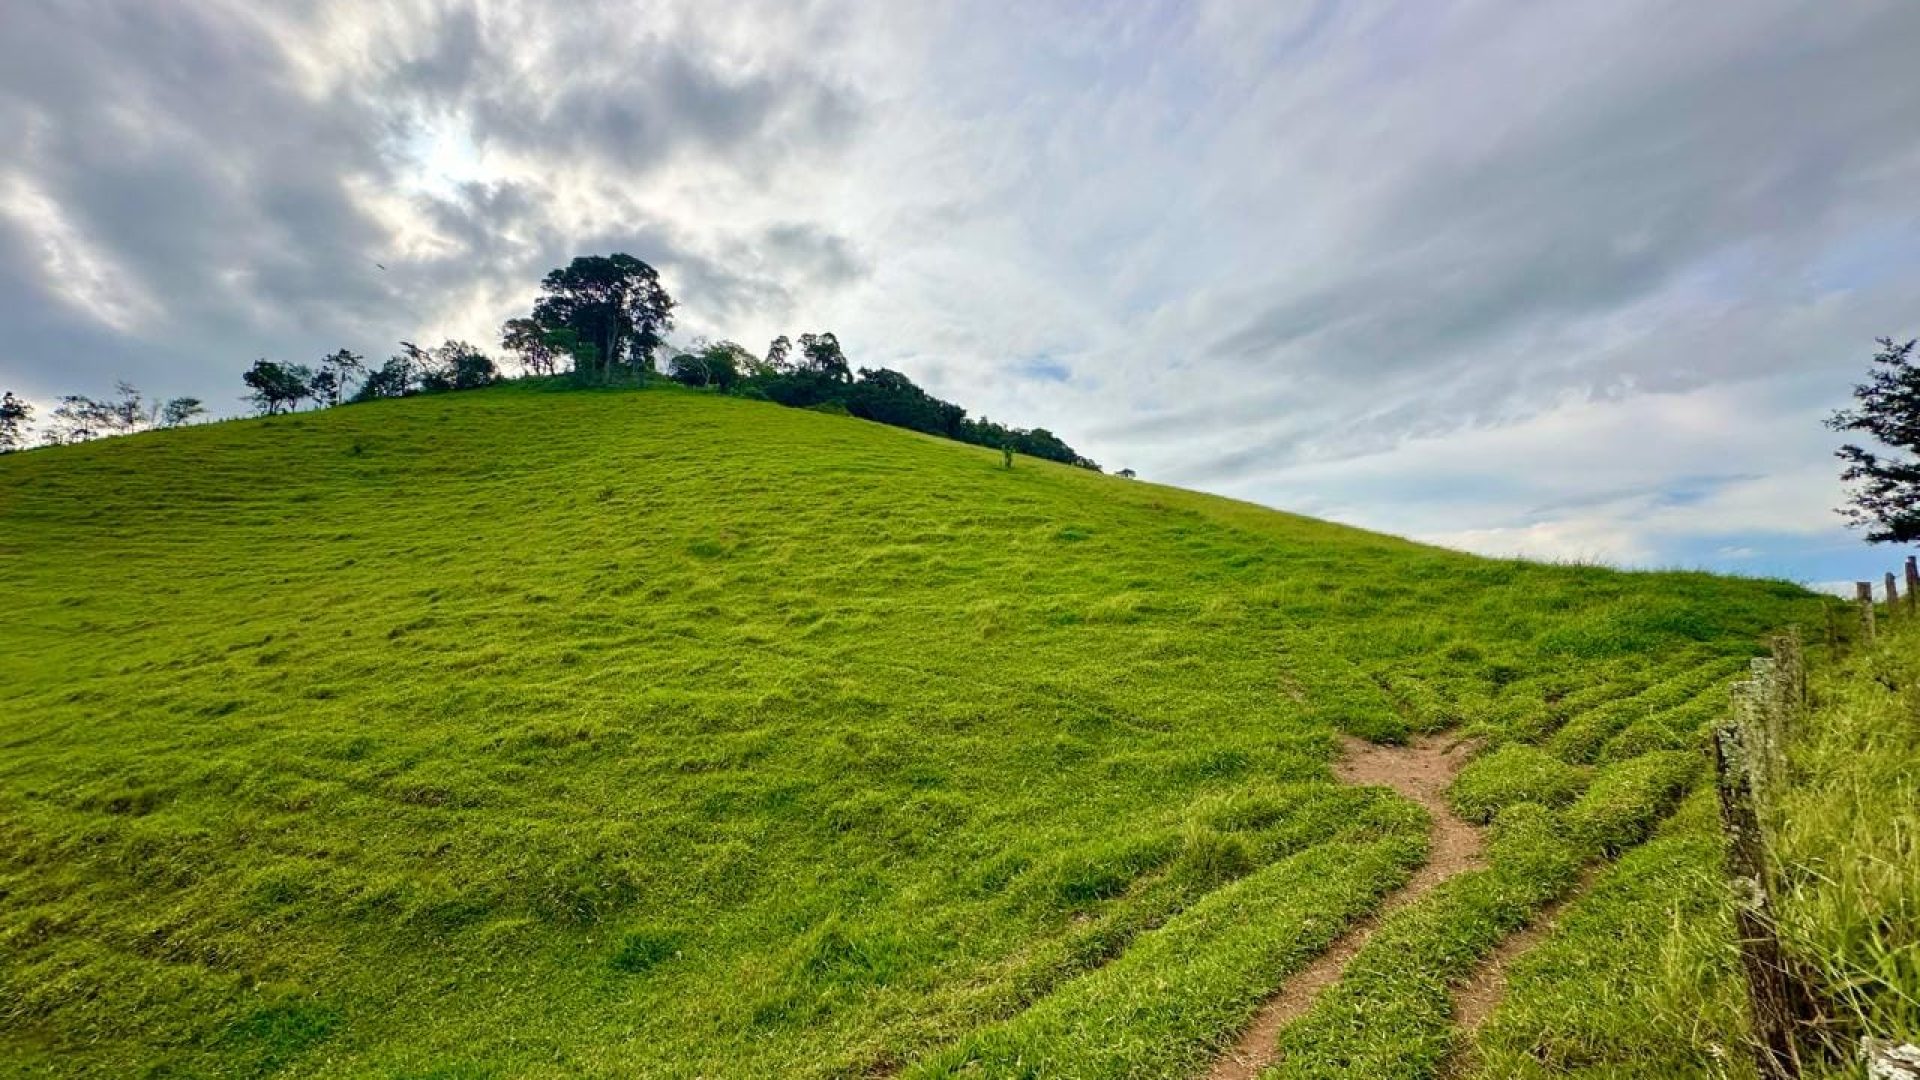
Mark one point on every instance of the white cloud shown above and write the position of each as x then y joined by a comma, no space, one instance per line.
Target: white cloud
1575,281
77,269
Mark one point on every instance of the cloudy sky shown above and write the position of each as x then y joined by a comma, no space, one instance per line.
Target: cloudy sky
1574,280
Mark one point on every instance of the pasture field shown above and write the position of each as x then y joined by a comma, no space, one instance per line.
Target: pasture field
530,732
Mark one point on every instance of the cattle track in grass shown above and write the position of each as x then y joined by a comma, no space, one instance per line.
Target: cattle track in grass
1420,771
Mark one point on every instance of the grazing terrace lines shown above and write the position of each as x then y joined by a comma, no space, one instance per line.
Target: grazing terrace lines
1420,771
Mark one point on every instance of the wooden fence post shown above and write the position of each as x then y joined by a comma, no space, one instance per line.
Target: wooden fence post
1767,994
1863,595
1913,586
1893,597
1791,663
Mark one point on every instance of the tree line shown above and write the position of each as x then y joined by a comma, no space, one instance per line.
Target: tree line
600,319
605,317
78,418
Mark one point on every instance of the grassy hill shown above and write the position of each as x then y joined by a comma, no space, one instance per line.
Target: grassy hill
535,733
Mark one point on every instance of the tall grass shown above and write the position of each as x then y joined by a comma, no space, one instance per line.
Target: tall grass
1846,832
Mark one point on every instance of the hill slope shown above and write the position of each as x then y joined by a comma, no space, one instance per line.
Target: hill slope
655,733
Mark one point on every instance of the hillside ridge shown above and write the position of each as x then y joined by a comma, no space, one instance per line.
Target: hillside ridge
491,733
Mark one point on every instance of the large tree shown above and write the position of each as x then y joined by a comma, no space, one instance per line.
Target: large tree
15,414
614,303
1885,497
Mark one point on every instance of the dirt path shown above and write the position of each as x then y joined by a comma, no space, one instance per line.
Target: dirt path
1420,771
1475,1001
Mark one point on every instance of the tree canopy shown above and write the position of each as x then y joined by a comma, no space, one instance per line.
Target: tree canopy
277,387
597,316
1885,495
614,304
15,414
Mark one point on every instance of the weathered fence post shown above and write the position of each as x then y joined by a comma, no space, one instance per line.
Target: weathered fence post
1893,597
1863,595
1791,665
1767,993
1913,586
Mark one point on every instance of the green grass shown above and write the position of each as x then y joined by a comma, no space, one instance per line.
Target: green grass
1390,1015
1513,774
1638,977
537,733
1846,830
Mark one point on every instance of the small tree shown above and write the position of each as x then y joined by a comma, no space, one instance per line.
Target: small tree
716,365
540,349
688,369
337,371
277,387
15,415
126,413
779,354
454,365
395,378
471,368
77,419
1885,497
180,411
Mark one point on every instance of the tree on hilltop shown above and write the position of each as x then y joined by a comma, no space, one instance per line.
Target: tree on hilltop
454,365
779,354
718,365
127,412
1885,498
614,303
337,372
542,349
395,378
76,419
277,387
822,358
180,411
15,415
